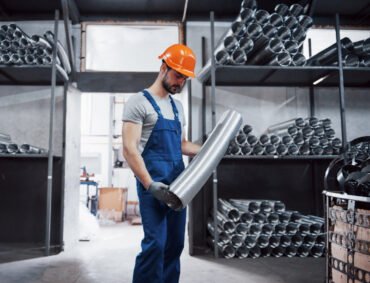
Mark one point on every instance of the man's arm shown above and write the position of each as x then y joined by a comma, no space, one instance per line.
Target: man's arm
131,134
189,148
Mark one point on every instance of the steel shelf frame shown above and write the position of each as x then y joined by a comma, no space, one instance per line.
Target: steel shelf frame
277,76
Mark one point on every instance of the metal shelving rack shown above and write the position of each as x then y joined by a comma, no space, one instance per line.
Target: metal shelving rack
42,75
278,76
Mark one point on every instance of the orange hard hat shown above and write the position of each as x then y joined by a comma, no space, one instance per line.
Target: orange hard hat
180,58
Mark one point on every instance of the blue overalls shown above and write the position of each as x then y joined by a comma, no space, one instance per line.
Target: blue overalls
164,228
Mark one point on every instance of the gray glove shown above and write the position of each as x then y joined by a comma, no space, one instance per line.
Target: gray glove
159,191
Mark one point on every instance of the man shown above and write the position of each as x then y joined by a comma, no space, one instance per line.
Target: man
153,144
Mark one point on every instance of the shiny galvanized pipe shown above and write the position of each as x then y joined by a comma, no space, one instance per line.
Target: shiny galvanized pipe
238,57
298,59
262,241
309,240
267,229
250,241
274,241
365,61
227,225
329,54
242,252
281,59
276,20
3,148
259,218
278,251
351,60
264,55
250,4
223,237
283,33
237,240
290,251
246,217
291,46
246,205
285,241
228,210
279,206
295,10
253,31
282,9
12,148
291,22
246,15
242,229
298,34
273,218
303,251
255,252
246,44
317,251
297,240
227,251
27,148
62,54
262,17
255,229
268,31
280,229
305,21
222,57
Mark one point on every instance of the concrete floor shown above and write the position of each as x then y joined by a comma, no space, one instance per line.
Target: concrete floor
110,257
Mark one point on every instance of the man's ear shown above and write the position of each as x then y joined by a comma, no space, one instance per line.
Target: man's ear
163,67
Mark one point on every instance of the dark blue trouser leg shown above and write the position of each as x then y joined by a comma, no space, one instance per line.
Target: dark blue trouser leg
174,245
149,263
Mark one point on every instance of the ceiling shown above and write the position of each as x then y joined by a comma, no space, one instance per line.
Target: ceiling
352,11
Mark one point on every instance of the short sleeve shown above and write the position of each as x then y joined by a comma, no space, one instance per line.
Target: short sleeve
134,109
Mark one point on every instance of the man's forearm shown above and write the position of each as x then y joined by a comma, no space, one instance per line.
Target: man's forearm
137,165
189,148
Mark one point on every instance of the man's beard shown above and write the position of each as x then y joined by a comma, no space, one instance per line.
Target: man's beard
171,88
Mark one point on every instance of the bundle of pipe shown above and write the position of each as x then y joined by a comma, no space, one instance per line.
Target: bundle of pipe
259,228
18,48
9,147
263,38
355,54
299,136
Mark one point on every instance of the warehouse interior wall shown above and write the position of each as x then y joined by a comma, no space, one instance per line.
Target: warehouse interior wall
262,107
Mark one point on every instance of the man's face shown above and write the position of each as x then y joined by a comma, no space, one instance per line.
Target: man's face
173,81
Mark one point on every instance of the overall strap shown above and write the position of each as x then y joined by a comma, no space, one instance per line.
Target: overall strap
153,103
174,108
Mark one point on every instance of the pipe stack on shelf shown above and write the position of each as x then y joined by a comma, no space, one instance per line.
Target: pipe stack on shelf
9,147
259,37
299,136
260,228
350,172
355,54
18,48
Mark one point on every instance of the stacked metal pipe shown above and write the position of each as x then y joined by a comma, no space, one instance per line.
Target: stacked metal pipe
355,54
299,136
259,37
9,147
260,228
18,48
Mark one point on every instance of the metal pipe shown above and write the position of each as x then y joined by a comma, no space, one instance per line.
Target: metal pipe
253,31
222,57
255,229
320,240
30,59
262,16
298,34
292,228
291,46
226,225
228,210
297,240
62,54
284,217
3,148
246,205
365,61
12,148
279,206
259,218
41,41
274,46
351,60
238,29
246,15
278,251
309,240
283,33
267,229
242,252
265,252
295,10
250,241
246,149
275,19
246,44
238,57
286,140
266,206
241,139
281,150
255,252
252,140
329,55
273,218
264,139
250,4
285,241
227,251
298,59
223,237
304,149
280,229
303,251
281,59
236,240
246,217
307,132
274,241
27,148
305,21
291,22
282,9
317,251
258,149
242,228
298,140
290,251
247,129
293,149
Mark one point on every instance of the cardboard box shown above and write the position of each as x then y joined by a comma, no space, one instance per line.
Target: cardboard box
112,203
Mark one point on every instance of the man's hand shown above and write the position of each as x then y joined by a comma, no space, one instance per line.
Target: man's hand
159,191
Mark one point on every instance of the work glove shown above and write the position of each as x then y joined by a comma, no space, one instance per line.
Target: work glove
159,191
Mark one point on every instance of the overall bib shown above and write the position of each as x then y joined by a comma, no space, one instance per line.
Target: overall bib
164,228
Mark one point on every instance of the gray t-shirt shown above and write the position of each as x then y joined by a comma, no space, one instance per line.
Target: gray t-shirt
139,110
